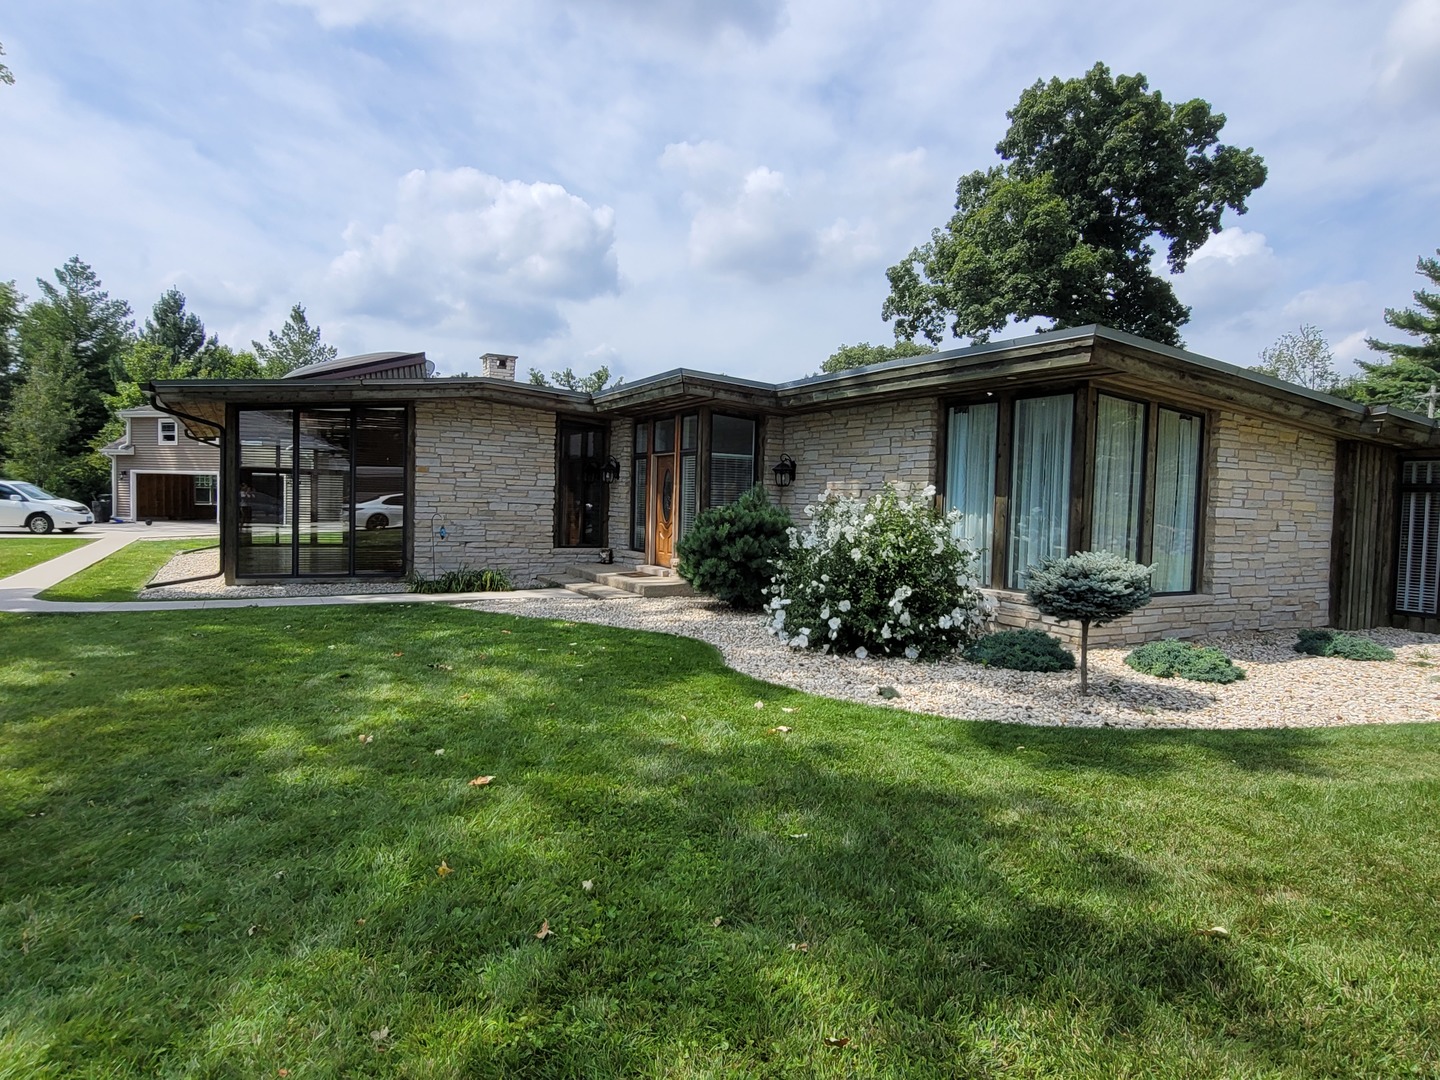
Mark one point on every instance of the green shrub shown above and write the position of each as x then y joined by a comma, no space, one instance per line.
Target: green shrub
730,551
1021,650
885,575
1345,646
466,579
1089,587
1200,663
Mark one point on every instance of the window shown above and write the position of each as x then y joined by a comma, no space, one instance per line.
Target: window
1119,472
168,431
204,491
970,477
640,485
689,474
1014,471
1040,483
732,458
580,495
1417,580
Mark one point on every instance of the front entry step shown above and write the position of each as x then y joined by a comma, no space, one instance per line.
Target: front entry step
638,582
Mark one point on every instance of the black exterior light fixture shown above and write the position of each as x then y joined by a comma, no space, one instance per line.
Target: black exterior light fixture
784,471
610,471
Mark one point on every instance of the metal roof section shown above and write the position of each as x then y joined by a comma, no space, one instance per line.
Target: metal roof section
372,365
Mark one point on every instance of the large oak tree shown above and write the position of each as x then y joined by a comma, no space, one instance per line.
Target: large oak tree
1096,168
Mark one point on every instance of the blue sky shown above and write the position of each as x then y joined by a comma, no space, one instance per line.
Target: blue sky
719,185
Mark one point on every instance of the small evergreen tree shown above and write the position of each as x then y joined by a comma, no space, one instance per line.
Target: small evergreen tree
1089,587
297,344
730,551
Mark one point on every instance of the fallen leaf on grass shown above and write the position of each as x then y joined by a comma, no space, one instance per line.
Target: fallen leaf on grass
442,667
781,730
1216,932
799,836
759,704
380,1038
444,869
717,921
544,930
481,781
800,946
359,922
505,631
137,917
840,1041
283,1072
587,885
786,708
255,928
397,654
367,738
440,752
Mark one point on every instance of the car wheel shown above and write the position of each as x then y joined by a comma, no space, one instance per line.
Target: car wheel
39,524
377,521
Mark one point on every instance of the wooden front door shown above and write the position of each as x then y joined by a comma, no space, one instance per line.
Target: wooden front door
663,492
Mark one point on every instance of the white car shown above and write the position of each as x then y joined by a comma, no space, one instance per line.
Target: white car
25,506
381,513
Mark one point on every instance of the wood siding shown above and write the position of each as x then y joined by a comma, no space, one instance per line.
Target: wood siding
1362,559
150,456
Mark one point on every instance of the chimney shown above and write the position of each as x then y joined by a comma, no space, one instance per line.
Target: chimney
494,365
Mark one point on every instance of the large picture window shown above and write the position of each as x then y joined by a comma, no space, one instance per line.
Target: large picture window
580,496
1119,474
1040,483
1177,481
732,458
970,477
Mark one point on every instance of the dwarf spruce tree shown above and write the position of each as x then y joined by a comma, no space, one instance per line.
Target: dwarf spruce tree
1091,587
730,551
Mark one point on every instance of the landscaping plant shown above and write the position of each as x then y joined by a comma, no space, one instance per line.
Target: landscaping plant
1345,646
1169,657
465,579
1021,650
1089,587
730,551
885,575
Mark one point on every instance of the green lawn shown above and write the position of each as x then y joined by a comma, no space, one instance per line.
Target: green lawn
220,834
22,552
122,575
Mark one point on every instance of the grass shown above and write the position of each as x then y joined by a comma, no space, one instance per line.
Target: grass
121,576
21,553
222,831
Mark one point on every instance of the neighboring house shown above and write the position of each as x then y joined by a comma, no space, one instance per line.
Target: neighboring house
1261,505
158,472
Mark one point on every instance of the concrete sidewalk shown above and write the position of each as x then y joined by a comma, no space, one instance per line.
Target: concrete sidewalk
23,601
53,571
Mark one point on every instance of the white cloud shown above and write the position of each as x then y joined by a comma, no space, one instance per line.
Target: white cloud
1229,276
1412,51
469,248
756,234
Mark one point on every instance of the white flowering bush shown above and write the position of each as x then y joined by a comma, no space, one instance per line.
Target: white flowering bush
885,576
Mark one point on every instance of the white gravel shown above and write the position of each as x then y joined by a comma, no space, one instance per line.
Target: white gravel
191,564
1282,688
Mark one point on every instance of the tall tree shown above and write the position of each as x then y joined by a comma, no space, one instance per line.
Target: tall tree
864,354
5,75
12,304
71,340
1405,378
1302,357
178,331
597,380
1421,321
42,427
1095,169
297,344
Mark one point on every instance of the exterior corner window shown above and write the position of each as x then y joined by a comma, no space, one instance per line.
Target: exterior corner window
732,458
689,463
1417,580
1119,473
580,495
205,490
1177,497
169,432
1040,483
639,500
970,477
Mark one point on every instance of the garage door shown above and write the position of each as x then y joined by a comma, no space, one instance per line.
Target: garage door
175,496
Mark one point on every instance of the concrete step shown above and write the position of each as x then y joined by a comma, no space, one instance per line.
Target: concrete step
583,586
639,582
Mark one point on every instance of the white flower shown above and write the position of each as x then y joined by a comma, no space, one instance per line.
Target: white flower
861,653
855,554
825,612
946,622
799,641
911,652
835,623
844,605
904,618
885,631
928,491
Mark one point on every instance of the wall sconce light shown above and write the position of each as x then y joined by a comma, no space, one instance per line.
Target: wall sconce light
610,471
784,471
124,474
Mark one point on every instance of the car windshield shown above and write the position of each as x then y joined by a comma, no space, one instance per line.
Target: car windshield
30,491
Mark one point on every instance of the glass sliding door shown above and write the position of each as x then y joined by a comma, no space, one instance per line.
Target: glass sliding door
1119,472
1040,482
970,477
267,442
324,518
1177,495
380,491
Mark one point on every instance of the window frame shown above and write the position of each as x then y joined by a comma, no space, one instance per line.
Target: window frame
566,424
1084,431
170,438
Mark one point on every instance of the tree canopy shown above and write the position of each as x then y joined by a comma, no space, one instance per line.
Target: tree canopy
297,344
1413,367
1302,357
597,380
1095,169
865,354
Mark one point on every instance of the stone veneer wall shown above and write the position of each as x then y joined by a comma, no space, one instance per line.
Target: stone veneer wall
486,473
855,449
1266,558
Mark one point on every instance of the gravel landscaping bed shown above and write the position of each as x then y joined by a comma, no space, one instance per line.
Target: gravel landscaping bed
1282,688
195,563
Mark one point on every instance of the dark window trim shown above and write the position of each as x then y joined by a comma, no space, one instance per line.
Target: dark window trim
564,423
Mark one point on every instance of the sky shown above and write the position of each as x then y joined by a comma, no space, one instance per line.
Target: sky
714,184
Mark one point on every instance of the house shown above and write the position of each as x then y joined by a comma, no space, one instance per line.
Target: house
159,471
1261,505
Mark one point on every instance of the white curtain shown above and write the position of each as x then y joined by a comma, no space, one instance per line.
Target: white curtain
970,477
1177,479
1119,466
1040,483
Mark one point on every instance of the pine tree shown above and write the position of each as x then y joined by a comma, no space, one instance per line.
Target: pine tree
297,344
11,307
179,332
1413,368
1422,321
42,424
